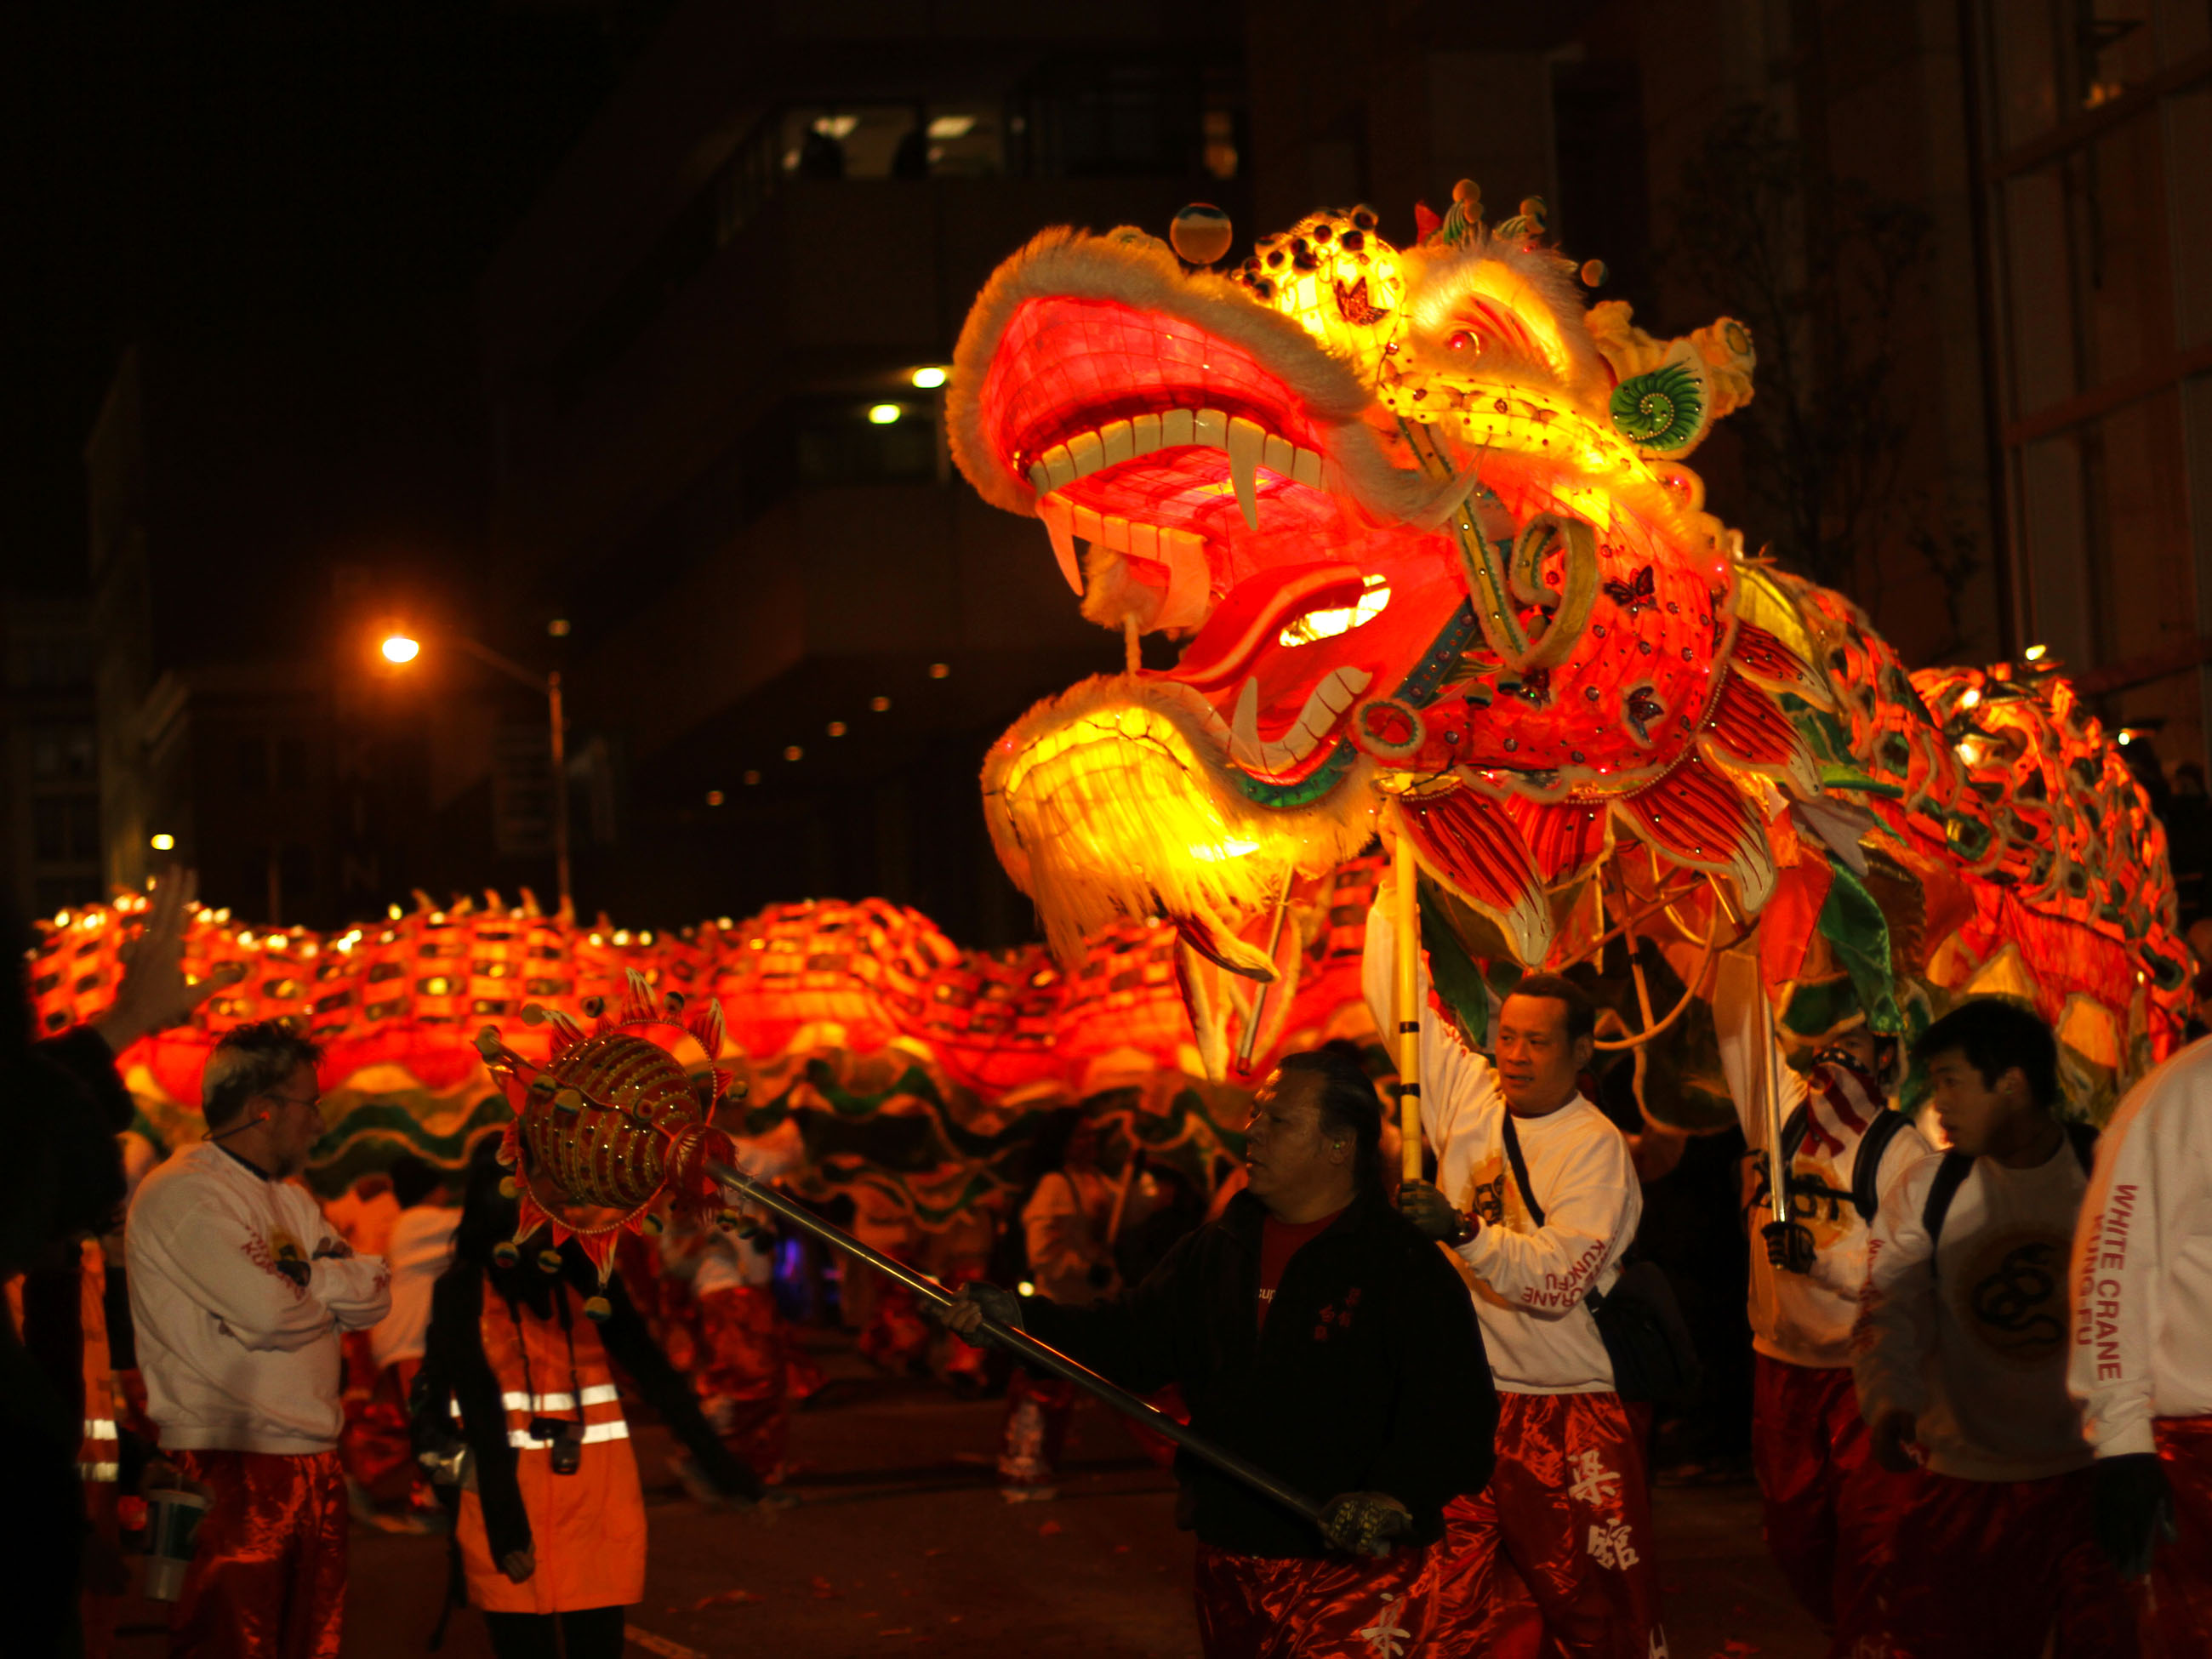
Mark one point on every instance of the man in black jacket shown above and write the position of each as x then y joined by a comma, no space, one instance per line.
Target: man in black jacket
1315,1333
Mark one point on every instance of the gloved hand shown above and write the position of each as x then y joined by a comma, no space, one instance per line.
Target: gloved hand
1364,1522
2133,1510
976,1302
1428,1210
1894,1446
1789,1245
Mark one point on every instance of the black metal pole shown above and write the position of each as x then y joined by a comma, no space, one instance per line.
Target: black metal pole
1021,1343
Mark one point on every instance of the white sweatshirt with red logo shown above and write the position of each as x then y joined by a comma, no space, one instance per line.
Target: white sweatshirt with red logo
1973,1342
1805,1319
1527,1281
2143,1261
237,1356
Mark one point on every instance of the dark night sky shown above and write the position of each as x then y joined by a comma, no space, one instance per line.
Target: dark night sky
303,194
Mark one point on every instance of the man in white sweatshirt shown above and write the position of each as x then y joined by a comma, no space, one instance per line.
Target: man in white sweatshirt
1829,1509
1960,1356
1558,1545
2141,1356
238,1289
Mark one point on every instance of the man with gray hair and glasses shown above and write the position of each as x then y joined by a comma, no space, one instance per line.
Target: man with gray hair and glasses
238,1289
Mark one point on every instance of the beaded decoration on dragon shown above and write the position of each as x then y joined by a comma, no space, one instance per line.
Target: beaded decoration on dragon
616,1123
1420,519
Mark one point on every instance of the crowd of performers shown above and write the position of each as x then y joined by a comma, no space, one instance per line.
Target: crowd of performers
1964,1445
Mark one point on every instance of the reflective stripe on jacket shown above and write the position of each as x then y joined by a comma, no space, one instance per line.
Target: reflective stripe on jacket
588,1529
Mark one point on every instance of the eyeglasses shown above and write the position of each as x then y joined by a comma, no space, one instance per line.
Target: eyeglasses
315,1101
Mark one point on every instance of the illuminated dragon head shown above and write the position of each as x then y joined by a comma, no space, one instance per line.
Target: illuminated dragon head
1420,519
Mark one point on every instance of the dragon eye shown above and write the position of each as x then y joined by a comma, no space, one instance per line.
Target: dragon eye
1460,341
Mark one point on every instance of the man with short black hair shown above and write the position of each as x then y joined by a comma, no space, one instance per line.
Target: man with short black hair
1536,1197
1959,1357
238,1289
1314,1333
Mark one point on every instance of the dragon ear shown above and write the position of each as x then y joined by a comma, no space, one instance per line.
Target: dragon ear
1470,844
1564,838
1694,817
1667,411
637,1001
1746,729
705,1024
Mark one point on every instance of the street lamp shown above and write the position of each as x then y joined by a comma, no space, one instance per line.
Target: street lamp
401,648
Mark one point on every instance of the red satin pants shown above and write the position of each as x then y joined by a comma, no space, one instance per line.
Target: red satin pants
1555,1556
1830,1508
374,1445
2176,1604
1991,1570
267,1581
744,1379
1331,1607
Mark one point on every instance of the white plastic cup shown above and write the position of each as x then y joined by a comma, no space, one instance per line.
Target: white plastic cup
173,1530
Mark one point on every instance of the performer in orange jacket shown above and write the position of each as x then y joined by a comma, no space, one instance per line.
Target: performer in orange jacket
551,1522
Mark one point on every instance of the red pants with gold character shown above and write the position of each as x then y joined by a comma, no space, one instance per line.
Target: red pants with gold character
267,1581
1555,1556
1830,1508
2176,1603
1990,1570
744,1379
1329,1607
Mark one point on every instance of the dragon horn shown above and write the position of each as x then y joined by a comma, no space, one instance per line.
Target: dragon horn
707,1025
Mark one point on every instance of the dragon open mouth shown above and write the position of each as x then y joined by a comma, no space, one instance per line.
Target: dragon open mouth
1390,503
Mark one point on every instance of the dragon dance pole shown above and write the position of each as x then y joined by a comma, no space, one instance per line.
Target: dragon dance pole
1407,921
1022,1344
1778,1162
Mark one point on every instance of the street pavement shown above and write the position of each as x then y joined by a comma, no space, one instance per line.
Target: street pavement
901,1544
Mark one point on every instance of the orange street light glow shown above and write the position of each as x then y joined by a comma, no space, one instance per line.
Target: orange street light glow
400,648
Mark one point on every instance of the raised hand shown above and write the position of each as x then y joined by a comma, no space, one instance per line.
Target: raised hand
154,994
1428,1210
1789,1245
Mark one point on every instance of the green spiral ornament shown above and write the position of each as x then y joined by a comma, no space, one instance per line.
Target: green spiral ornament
1663,411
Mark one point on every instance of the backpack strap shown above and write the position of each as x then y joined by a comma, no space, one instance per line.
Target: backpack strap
1949,1177
1520,1168
1866,1162
1594,1298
